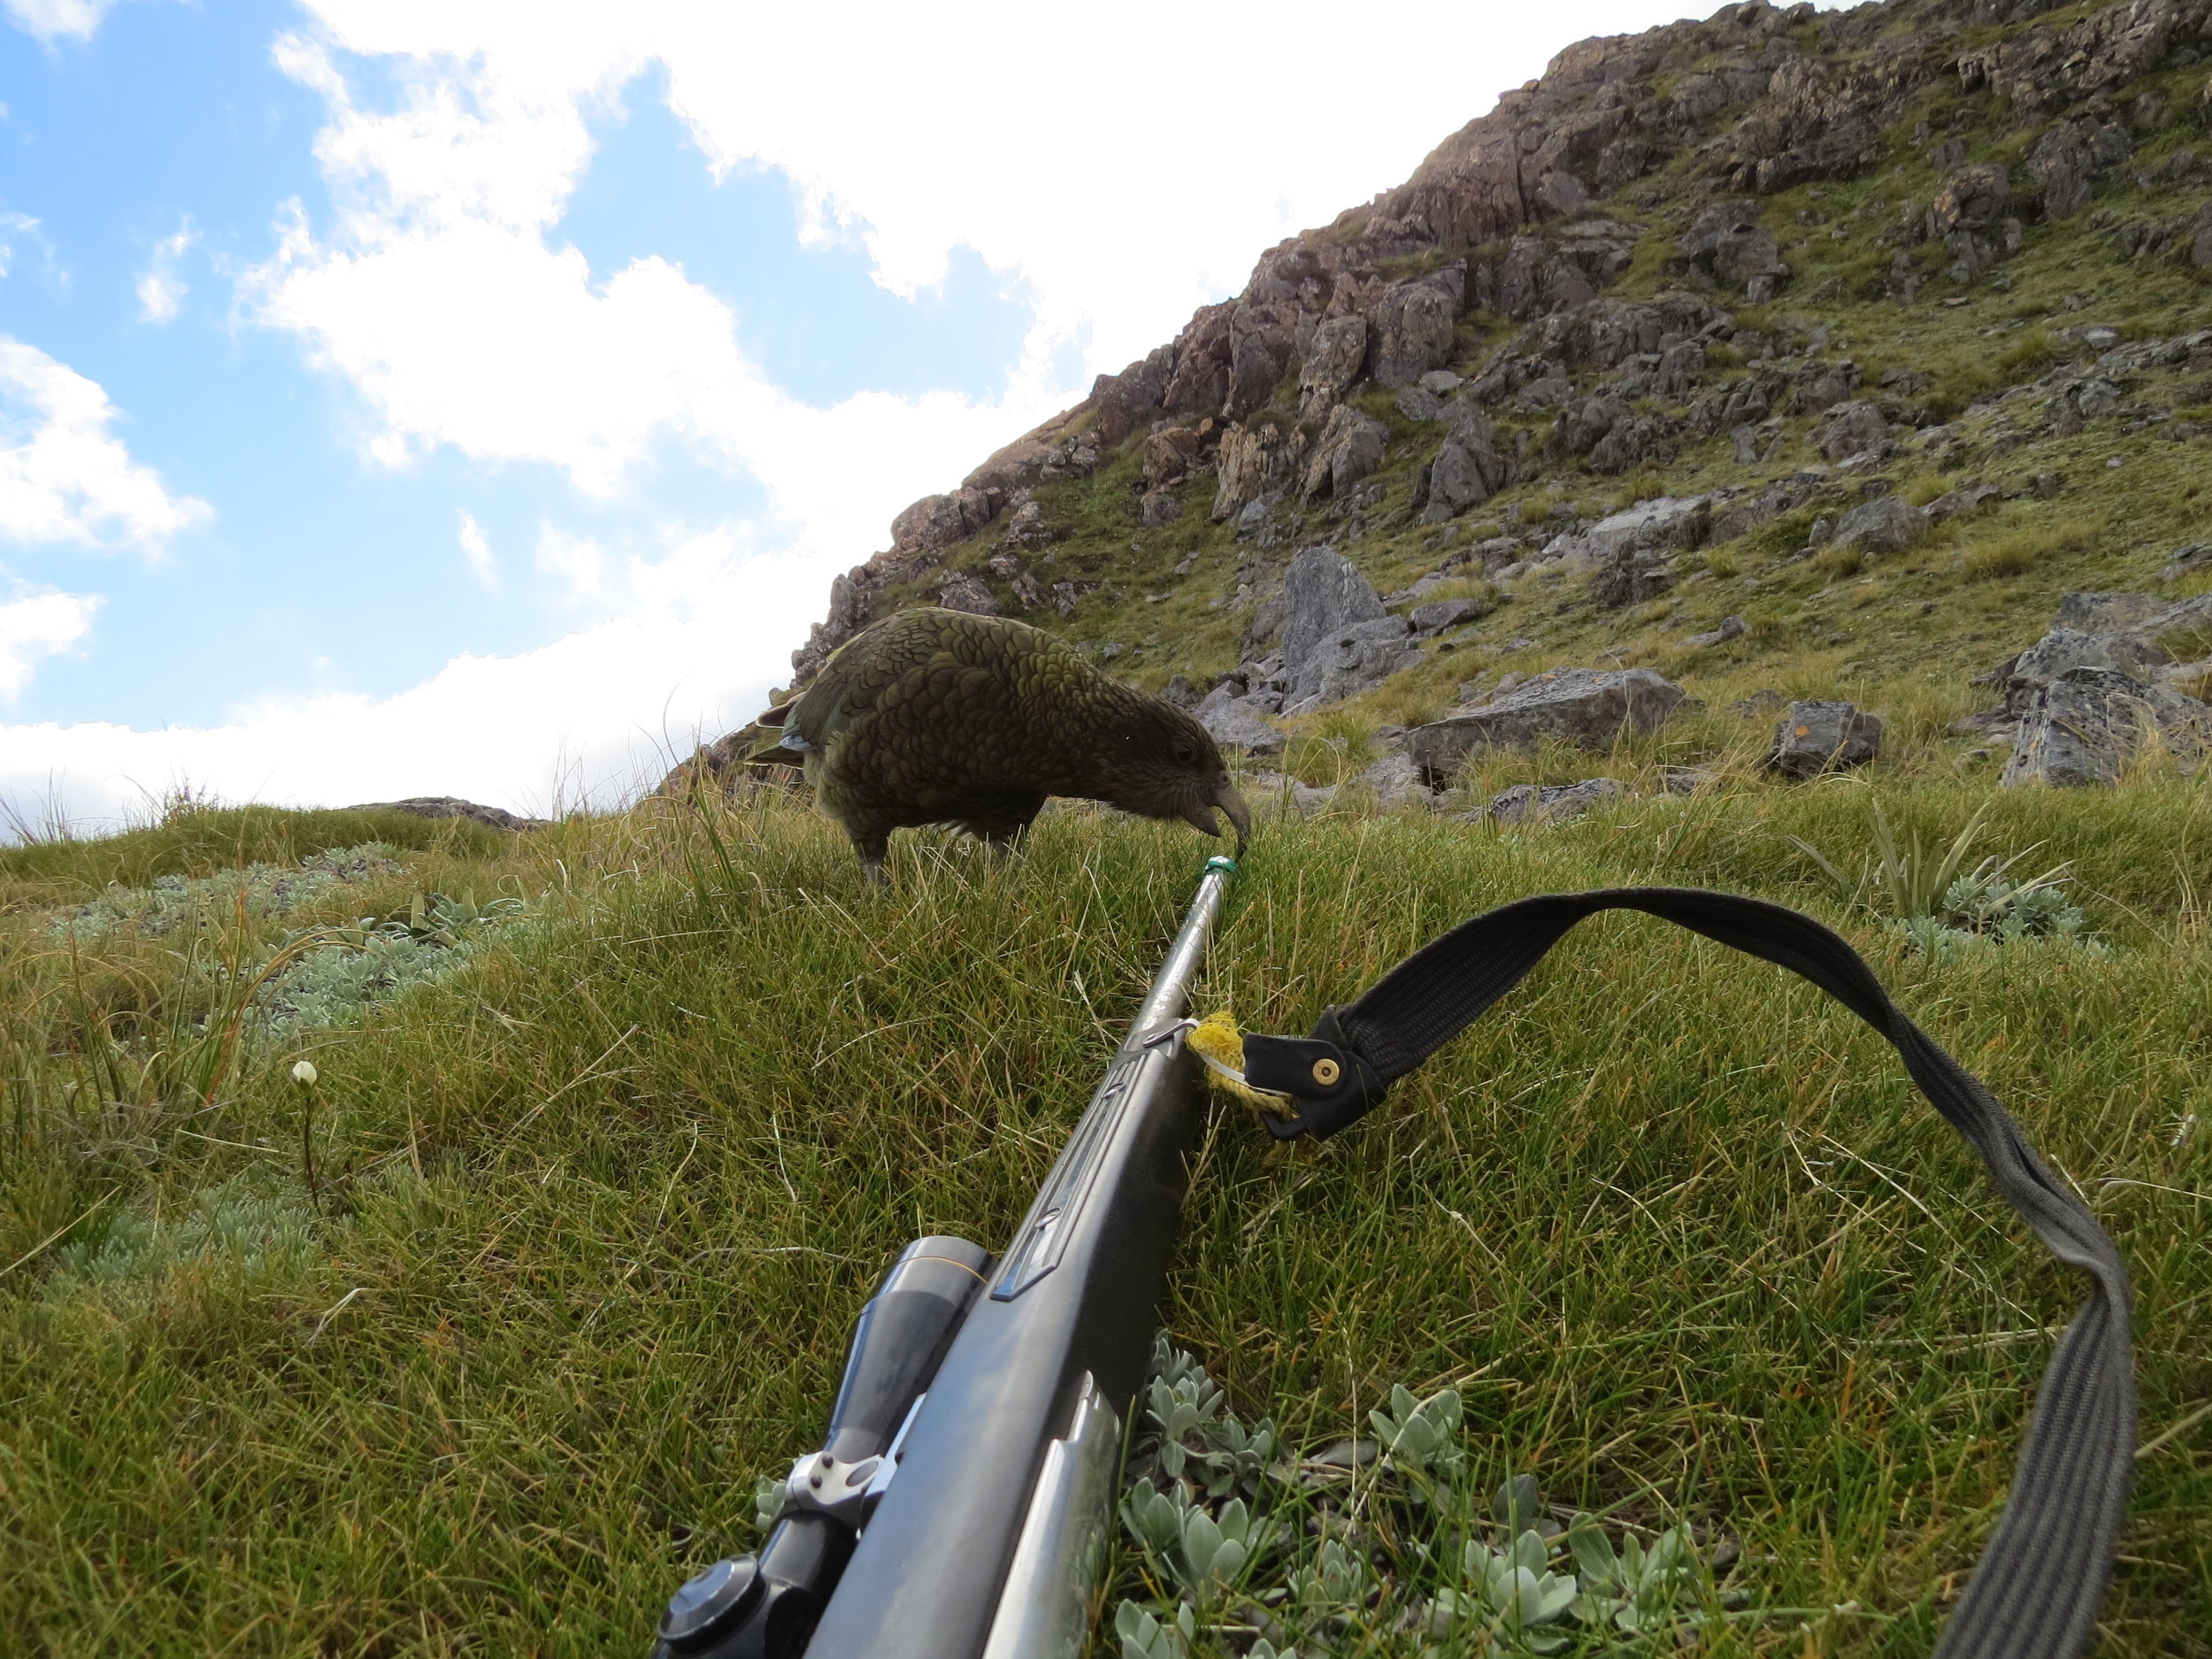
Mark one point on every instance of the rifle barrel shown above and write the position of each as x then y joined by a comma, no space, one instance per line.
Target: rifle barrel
987,1540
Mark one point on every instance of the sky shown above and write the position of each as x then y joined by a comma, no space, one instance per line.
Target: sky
426,397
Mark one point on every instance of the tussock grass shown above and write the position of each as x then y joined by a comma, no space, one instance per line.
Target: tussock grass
2019,549
1837,561
596,1210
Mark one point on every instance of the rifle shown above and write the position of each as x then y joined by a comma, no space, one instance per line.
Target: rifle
996,1392
962,1501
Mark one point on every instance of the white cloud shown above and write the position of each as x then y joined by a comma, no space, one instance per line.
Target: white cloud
597,715
42,625
51,21
476,548
1125,170
64,476
1063,152
578,564
21,230
161,288
438,298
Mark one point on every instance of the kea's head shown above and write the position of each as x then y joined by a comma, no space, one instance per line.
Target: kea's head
1157,762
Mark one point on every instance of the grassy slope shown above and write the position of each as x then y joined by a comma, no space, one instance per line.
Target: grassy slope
595,1215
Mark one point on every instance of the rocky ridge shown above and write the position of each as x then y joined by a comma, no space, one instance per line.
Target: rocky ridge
1806,291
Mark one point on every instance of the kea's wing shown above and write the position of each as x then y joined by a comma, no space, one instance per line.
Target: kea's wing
853,680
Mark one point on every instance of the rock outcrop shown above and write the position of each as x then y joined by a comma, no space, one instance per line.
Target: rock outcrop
1591,708
1351,447
2088,724
1336,638
453,806
1553,802
1884,525
1816,737
1467,470
1238,722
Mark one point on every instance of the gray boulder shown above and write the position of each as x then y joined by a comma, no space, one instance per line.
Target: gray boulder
2063,651
1629,549
1553,802
1668,523
1285,796
1467,470
1157,507
1439,614
2089,723
1817,737
1351,660
1731,628
2200,244
2069,157
1413,323
1854,429
964,592
1336,638
1727,244
2186,613
1238,723
1394,780
1590,707
1351,447
1628,578
2187,560
1417,402
935,521
1969,214
2192,680
1884,525
1168,456
1323,592
1333,364
1254,366
1973,198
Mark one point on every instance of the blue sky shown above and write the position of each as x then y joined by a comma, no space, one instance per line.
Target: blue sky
411,397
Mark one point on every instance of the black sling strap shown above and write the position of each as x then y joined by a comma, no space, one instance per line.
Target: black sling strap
2035,1592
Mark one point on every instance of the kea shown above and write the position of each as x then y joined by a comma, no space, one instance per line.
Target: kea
940,717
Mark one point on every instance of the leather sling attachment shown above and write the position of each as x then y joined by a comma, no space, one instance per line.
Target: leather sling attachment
2035,1592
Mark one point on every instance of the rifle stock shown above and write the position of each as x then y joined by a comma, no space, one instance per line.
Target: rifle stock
987,1543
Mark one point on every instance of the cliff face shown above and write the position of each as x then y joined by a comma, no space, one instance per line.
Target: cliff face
1645,263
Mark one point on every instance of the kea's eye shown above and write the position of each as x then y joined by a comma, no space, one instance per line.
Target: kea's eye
1185,751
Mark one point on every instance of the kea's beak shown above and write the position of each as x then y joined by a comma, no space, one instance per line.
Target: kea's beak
1199,814
1241,815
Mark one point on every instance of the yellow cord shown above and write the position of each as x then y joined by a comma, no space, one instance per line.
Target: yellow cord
1217,1042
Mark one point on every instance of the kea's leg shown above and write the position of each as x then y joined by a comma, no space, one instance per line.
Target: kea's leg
874,846
1002,831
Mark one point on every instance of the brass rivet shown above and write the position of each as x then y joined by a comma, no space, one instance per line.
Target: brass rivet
1325,1072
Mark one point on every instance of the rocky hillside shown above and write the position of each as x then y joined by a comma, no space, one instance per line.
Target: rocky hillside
1818,353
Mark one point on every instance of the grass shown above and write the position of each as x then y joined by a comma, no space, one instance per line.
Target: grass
2017,551
594,1210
